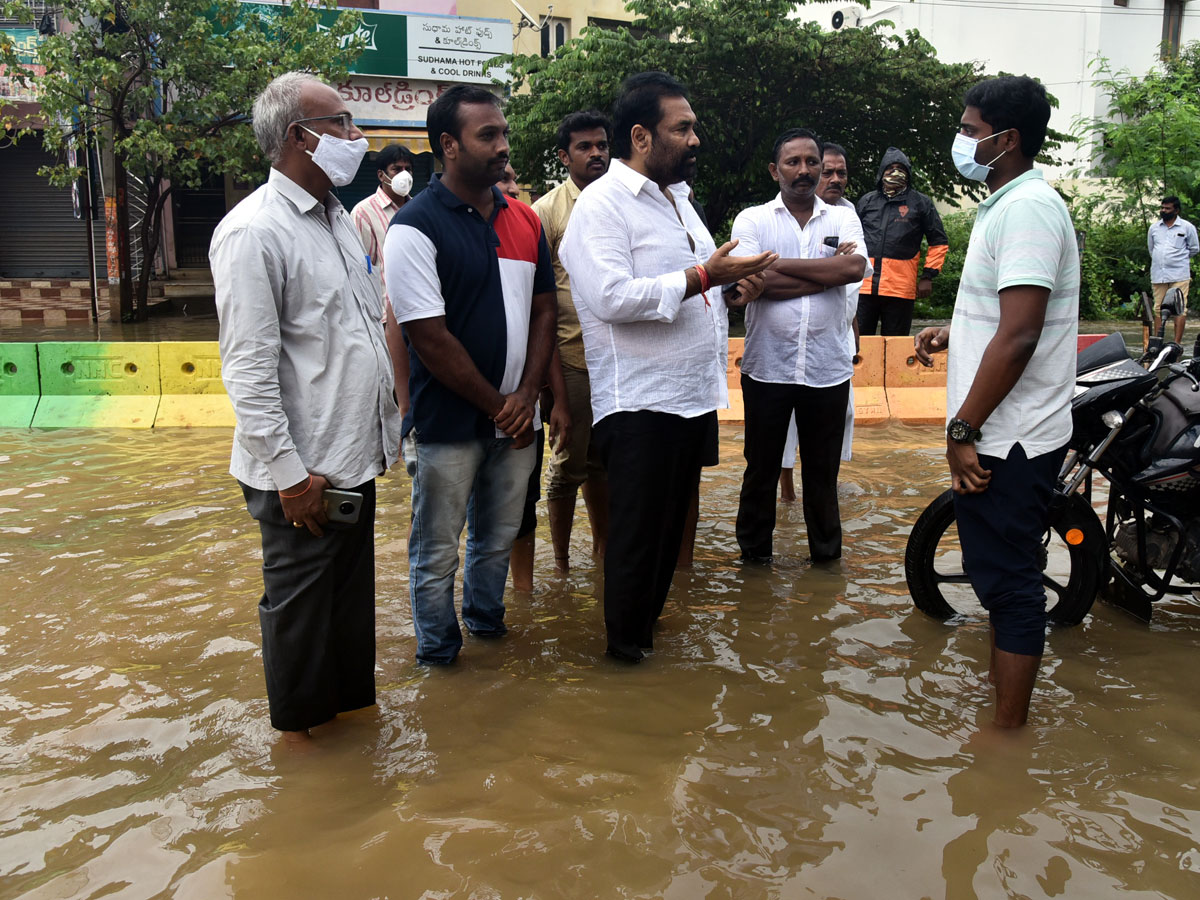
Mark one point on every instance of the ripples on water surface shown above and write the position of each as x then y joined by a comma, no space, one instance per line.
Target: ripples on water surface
797,734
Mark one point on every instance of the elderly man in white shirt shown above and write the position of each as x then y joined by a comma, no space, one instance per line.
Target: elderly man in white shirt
655,338
797,337
306,367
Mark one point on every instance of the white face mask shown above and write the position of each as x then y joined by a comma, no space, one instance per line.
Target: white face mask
963,153
402,183
337,157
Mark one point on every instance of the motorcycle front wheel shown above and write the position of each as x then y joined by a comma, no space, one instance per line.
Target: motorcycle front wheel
1073,560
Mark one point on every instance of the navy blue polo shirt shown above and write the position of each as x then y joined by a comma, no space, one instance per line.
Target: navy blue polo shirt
442,258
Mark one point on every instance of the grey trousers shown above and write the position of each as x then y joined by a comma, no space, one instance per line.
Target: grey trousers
317,613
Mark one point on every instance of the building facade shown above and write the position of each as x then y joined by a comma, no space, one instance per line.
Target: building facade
1054,41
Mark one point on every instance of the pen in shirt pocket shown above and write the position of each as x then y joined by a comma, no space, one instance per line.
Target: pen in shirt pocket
367,257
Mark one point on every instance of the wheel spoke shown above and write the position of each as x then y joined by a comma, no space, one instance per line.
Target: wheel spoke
1060,590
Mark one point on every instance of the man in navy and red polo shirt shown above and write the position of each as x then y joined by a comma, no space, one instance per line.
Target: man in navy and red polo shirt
474,288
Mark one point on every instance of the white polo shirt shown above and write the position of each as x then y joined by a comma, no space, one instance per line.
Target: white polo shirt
1023,235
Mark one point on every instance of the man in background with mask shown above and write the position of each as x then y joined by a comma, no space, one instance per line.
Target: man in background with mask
372,215
1011,374
304,362
1172,243
895,217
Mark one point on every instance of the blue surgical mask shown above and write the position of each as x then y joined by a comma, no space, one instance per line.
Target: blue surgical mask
963,152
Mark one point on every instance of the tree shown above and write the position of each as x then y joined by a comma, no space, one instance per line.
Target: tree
168,84
753,71
1148,140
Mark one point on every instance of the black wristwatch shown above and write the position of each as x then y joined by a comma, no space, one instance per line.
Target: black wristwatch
961,432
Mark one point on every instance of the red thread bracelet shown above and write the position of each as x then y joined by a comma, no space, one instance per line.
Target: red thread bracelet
705,283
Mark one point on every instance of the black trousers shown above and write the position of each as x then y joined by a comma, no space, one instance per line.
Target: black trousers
653,462
821,421
893,314
317,613
1001,535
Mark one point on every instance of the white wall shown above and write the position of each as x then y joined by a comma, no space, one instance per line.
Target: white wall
1054,41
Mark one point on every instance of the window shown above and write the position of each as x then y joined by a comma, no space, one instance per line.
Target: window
1172,23
555,33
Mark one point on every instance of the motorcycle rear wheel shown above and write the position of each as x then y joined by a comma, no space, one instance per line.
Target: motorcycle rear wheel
1071,569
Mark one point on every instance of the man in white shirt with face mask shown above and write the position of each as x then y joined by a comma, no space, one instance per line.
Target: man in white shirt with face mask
304,362
372,216
1011,374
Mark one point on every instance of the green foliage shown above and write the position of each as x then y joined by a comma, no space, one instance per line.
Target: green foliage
1115,265
753,71
169,85
1148,140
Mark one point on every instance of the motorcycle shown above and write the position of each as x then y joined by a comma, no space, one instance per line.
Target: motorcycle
1137,426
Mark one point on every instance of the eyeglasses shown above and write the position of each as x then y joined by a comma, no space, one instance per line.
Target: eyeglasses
345,121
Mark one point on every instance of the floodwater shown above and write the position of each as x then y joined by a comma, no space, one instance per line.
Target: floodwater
797,734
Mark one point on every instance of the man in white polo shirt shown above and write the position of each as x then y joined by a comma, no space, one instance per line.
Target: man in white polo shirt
797,360
1011,374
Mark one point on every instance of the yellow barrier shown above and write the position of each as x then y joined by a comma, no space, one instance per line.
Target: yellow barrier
97,385
177,384
193,395
916,395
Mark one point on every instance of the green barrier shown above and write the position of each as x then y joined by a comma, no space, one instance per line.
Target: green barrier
18,384
193,395
97,385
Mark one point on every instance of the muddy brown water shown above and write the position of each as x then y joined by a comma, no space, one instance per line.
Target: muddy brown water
797,734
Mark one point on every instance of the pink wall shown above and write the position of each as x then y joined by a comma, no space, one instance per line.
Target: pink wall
440,7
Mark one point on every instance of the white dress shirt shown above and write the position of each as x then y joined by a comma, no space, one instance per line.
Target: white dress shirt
803,340
302,351
626,248
1171,249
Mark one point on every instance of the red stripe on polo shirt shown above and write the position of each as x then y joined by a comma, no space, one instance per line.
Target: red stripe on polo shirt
519,229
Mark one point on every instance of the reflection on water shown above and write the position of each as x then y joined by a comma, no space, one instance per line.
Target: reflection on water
798,733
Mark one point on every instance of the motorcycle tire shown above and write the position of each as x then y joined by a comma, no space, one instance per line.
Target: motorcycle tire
933,540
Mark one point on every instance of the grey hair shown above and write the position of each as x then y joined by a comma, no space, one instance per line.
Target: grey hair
277,107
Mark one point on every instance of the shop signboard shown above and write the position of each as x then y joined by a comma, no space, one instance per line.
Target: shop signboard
399,45
12,88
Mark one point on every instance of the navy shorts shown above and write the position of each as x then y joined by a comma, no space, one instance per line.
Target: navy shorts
1001,534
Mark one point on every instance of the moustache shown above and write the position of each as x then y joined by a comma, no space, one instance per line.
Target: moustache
499,161
804,181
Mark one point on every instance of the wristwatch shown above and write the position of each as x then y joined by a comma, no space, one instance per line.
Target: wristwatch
961,432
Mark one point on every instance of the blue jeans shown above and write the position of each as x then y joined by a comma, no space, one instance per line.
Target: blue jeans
491,478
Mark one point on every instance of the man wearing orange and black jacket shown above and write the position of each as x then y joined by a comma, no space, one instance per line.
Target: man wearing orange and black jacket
894,219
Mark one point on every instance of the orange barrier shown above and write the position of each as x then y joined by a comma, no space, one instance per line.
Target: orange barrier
733,366
870,398
916,395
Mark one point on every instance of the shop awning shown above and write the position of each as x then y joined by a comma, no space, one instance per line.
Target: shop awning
415,139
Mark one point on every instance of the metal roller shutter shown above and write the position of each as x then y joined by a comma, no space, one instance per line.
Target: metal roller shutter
39,234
